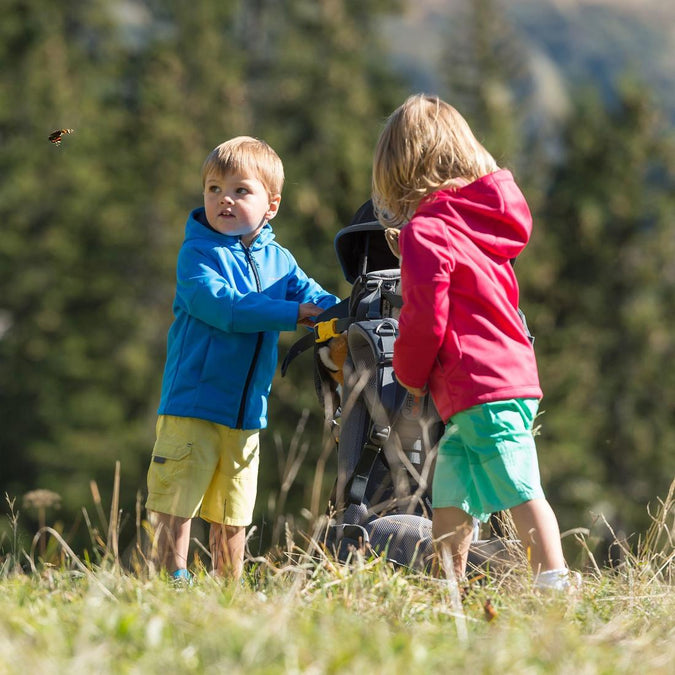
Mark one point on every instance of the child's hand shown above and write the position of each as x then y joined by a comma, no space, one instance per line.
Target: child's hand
391,236
307,312
415,391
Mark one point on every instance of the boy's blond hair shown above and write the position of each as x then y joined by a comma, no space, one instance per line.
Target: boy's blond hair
247,155
425,145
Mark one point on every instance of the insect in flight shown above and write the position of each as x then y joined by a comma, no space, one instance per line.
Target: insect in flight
56,136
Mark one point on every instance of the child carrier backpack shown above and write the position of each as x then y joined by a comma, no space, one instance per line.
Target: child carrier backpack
386,438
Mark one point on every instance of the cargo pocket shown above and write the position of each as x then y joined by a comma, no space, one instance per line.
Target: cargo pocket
170,458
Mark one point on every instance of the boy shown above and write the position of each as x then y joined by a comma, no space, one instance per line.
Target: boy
236,289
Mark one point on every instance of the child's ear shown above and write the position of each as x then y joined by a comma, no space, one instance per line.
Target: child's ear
273,207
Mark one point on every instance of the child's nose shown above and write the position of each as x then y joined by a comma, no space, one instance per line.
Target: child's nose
226,199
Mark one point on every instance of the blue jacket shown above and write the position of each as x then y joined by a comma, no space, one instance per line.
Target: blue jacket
231,302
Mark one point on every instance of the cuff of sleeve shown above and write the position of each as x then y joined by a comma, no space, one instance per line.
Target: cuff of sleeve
289,315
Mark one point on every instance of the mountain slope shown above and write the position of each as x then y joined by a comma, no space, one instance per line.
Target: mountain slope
570,42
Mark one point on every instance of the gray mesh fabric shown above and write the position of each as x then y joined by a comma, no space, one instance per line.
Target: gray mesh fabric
405,539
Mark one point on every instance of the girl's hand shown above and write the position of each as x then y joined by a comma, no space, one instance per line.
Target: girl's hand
415,391
391,236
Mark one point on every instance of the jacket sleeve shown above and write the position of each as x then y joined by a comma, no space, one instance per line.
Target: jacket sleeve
426,264
208,296
302,288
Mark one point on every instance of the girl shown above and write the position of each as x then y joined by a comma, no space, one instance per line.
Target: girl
463,220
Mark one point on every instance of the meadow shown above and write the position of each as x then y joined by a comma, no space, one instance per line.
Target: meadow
297,610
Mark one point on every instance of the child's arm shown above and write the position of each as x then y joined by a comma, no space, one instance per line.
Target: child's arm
303,289
425,282
415,391
208,296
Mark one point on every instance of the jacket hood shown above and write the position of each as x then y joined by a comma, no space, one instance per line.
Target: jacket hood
197,227
491,211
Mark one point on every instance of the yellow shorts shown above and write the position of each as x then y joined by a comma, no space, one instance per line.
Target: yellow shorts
201,468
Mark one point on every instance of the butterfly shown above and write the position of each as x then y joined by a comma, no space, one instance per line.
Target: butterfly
56,136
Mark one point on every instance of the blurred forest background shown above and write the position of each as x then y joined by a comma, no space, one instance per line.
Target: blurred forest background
574,97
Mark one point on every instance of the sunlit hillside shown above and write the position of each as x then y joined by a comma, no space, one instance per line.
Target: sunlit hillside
569,42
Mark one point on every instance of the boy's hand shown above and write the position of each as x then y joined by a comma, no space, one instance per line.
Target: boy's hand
307,312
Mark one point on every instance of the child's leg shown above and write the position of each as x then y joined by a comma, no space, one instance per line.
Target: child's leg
183,458
540,535
172,541
227,543
452,531
230,498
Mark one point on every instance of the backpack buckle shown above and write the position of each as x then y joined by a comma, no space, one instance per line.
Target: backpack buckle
325,330
379,435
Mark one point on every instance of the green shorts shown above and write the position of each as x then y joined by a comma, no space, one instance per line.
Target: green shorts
200,468
487,459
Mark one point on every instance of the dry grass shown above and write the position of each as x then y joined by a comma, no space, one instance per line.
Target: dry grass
302,611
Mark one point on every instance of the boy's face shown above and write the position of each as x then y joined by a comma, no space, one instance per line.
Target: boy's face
238,205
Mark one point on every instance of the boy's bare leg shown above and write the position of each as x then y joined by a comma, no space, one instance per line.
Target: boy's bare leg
172,539
227,544
539,533
452,530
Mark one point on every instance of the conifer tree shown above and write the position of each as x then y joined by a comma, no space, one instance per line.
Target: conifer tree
488,77
65,349
91,229
602,310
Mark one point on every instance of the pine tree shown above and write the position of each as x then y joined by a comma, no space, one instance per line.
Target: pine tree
91,229
87,268
63,310
489,79
602,308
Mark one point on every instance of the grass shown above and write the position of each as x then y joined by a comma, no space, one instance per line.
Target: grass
300,611
323,618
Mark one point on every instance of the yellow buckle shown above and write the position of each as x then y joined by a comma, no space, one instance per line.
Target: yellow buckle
325,330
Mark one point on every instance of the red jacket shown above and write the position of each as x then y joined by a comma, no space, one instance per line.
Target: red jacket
460,332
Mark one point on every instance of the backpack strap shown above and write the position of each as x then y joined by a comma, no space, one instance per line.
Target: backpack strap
339,312
521,314
357,484
371,289
370,304
376,338
394,299
530,337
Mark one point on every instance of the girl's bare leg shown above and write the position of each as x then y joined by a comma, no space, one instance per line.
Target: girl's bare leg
452,530
540,535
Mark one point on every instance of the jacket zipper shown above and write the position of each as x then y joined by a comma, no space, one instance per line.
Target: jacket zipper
258,346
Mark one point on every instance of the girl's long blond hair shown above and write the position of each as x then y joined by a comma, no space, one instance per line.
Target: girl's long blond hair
425,145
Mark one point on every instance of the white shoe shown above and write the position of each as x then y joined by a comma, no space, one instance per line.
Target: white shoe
558,580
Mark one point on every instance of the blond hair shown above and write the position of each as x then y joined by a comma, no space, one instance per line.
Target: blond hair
247,155
425,145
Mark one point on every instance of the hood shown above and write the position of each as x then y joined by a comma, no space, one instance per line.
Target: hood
197,227
491,211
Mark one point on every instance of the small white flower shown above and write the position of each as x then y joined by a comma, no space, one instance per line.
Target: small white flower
153,631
